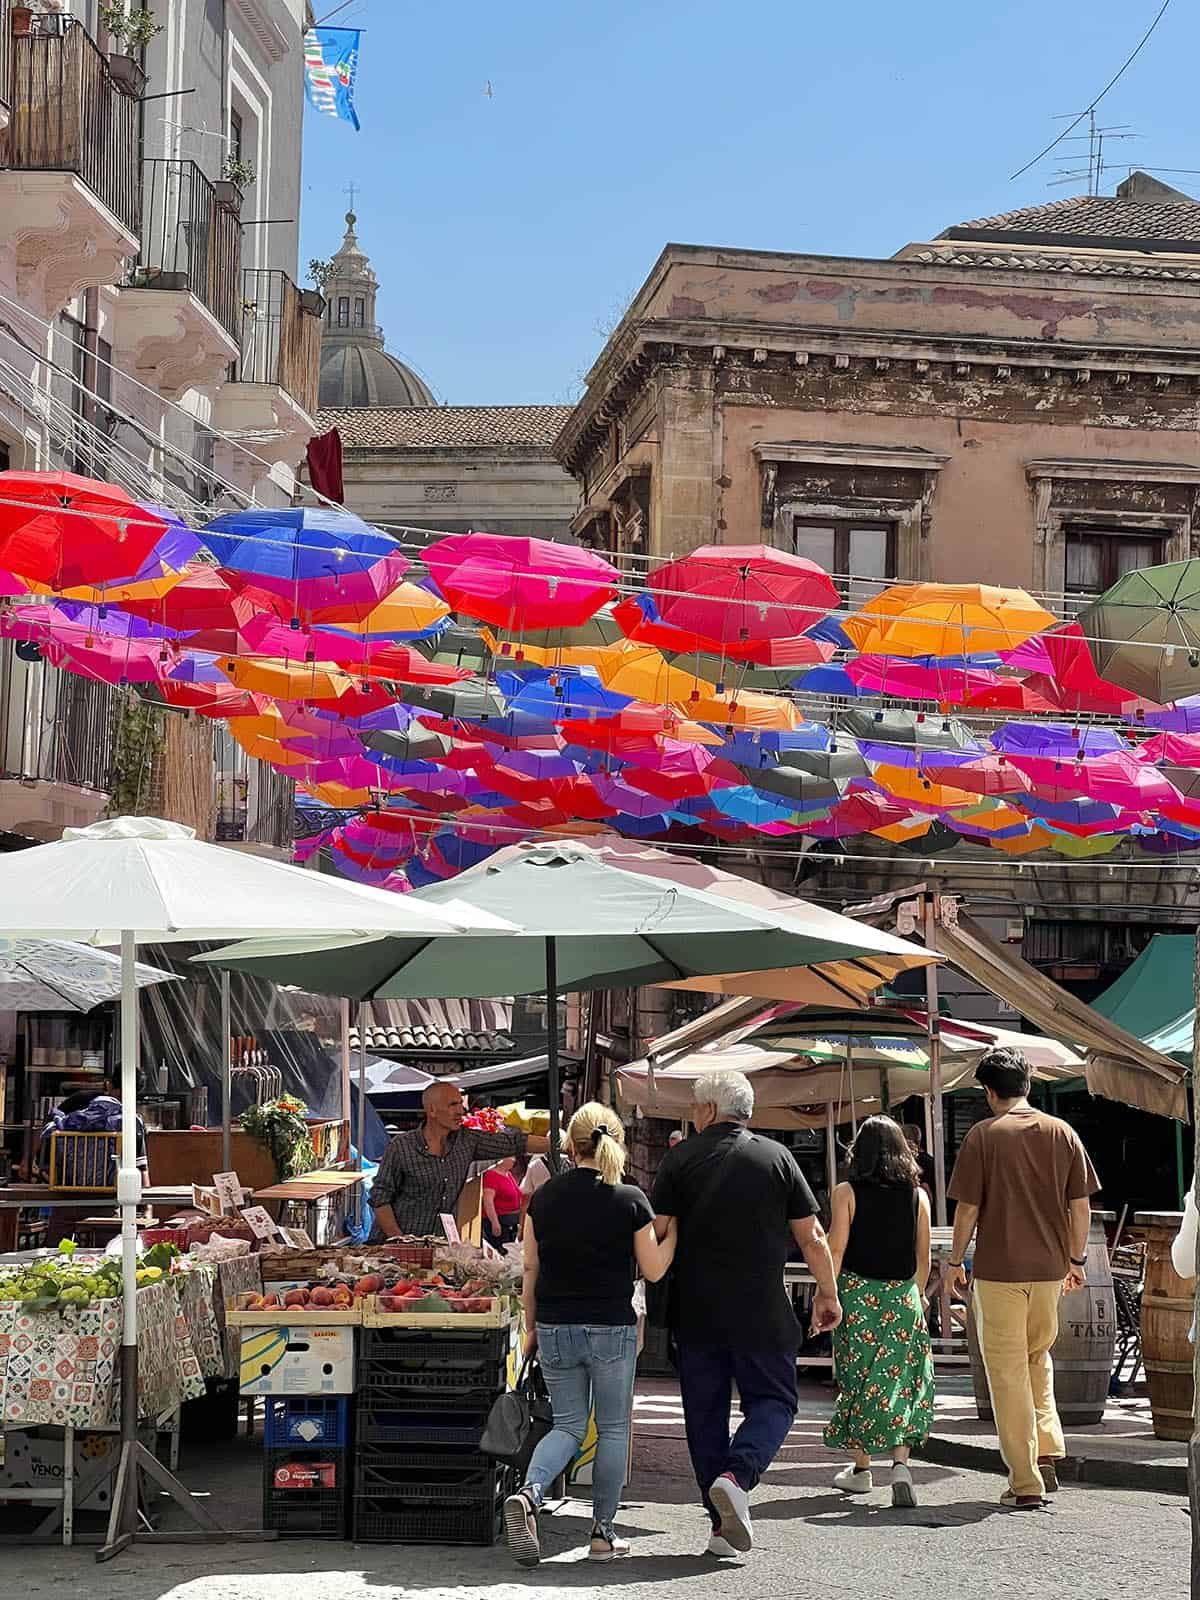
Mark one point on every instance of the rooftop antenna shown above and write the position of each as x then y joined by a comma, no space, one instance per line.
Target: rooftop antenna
1096,138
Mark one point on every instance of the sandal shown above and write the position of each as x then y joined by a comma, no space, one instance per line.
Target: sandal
520,1528
605,1544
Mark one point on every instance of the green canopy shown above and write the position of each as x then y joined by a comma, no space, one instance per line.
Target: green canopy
1154,998
590,926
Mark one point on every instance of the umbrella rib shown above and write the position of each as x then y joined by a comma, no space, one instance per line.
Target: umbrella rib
62,995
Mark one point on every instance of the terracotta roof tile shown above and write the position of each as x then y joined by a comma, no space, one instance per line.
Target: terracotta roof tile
427,1039
446,427
1092,217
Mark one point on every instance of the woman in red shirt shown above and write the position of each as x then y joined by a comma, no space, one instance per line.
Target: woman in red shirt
501,1202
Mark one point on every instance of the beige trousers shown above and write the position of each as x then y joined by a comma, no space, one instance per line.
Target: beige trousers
1017,1323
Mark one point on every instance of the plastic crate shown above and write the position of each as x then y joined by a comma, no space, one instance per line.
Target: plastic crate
304,1513
462,1472
420,1518
410,1428
439,1350
83,1160
308,1420
380,1382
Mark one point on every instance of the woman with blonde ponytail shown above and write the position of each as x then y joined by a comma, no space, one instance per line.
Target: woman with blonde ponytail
585,1233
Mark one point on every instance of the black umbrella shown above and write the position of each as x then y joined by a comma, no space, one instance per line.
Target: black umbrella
414,743
472,700
914,729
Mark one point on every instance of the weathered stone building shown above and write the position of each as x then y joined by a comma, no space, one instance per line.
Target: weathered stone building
1013,402
408,460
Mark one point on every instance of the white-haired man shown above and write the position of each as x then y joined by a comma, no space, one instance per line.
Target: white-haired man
423,1172
740,1201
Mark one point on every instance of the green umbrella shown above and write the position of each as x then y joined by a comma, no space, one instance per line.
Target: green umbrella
588,925
1144,632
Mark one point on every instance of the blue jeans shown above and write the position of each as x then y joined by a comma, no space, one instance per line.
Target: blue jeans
766,1385
586,1368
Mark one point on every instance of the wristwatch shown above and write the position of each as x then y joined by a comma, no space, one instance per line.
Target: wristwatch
1082,1262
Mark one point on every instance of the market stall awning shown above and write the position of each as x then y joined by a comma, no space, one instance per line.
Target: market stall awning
1154,999
1119,1067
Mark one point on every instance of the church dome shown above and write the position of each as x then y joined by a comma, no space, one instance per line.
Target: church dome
356,369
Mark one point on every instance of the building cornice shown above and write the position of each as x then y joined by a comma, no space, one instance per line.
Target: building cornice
261,28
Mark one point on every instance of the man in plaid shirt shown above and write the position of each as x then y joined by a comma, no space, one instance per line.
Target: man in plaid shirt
423,1172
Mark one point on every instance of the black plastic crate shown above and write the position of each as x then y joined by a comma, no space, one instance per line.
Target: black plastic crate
420,1518
305,1512
463,1472
411,1427
381,1382
436,1351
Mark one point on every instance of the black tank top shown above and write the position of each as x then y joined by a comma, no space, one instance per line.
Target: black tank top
883,1235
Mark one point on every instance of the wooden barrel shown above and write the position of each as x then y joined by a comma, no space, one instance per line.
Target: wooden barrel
1083,1352
1168,1303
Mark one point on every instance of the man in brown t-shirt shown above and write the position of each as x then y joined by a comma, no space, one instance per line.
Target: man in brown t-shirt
1023,1179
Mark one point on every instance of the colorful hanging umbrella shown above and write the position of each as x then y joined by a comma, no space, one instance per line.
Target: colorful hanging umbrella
517,584
640,621
945,619
308,555
737,594
210,608
1144,632
1120,778
989,775
1071,682
1179,749
906,783
912,728
407,611
1064,740
913,680
60,529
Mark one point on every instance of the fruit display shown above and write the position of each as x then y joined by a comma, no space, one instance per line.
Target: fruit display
411,1289
67,1280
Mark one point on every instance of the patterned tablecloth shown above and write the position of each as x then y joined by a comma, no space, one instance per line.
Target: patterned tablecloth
62,1368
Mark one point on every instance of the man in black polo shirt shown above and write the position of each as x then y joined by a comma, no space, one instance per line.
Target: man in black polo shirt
740,1201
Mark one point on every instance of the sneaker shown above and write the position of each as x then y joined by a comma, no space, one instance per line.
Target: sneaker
1022,1502
719,1546
903,1492
1049,1474
605,1545
733,1503
520,1529
854,1480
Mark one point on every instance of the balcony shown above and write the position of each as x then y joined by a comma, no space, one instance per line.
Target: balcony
56,747
271,403
179,314
70,196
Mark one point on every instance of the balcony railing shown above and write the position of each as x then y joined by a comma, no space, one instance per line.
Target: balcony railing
54,725
67,115
281,340
6,43
189,241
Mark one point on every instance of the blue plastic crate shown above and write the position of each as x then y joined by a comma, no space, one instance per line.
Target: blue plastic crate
314,1419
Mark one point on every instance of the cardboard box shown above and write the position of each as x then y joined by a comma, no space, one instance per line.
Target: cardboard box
284,1359
33,1460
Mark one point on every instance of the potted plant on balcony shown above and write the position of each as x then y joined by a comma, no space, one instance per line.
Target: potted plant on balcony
135,29
313,300
22,21
236,176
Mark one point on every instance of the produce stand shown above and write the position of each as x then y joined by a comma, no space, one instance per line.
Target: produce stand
322,1194
18,1197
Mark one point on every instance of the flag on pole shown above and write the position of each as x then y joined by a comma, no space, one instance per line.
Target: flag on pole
330,68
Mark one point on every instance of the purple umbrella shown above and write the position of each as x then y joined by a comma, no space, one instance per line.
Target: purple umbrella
1056,739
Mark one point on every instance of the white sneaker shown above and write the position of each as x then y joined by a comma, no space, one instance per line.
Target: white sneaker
720,1547
854,1480
903,1492
733,1504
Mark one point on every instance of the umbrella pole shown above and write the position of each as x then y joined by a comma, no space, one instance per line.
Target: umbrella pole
552,1068
226,1074
123,1516
935,1068
830,1150
362,1079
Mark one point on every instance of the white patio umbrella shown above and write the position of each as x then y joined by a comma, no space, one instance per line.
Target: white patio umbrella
140,880
60,975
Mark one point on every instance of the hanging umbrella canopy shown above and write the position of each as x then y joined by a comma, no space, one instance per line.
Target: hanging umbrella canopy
911,728
946,619
610,927
60,529
740,593
1144,632
408,610
517,584
308,555
58,975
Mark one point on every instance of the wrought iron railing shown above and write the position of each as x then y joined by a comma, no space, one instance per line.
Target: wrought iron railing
281,337
67,115
190,241
54,725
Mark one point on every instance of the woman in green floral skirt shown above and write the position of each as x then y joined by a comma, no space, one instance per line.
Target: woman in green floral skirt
882,1355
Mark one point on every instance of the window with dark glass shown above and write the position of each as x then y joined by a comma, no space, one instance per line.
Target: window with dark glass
235,135
1097,557
848,549
360,313
343,311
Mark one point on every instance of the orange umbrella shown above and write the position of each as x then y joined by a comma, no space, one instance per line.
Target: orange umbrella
1036,839
641,672
749,708
284,680
946,619
408,609
115,594
906,783
901,832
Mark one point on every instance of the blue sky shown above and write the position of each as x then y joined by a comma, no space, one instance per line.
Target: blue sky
510,232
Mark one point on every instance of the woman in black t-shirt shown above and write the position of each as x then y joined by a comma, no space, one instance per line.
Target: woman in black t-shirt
880,1242
584,1232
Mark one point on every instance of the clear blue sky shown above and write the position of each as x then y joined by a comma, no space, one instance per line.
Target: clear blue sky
510,232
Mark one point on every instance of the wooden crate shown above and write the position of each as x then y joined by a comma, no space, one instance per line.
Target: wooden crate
293,1317
374,1317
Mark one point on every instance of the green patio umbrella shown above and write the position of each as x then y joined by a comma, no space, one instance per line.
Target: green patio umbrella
588,925
1144,632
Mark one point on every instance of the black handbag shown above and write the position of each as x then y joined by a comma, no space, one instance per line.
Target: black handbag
519,1420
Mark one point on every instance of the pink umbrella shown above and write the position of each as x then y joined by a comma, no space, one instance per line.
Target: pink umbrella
737,593
1179,749
954,685
521,585
1118,778
117,661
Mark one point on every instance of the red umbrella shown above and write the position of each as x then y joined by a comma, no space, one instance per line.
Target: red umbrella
1076,685
59,529
211,609
1008,696
800,651
989,776
520,584
741,593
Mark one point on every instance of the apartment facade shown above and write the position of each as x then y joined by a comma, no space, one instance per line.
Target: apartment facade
153,333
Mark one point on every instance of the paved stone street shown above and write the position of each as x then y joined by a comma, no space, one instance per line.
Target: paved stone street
1095,1544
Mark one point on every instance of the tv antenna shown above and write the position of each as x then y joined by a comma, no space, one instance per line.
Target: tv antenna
1096,137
